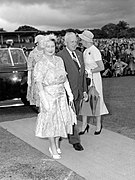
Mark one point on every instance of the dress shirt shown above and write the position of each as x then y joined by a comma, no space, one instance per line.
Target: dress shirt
70,52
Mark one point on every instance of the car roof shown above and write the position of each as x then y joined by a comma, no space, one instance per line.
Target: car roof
3,48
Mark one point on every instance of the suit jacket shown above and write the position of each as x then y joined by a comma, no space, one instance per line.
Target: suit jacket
76,78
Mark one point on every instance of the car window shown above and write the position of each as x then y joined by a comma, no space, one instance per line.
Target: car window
18,56
5,58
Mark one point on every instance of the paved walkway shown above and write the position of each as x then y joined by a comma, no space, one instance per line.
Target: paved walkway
109,156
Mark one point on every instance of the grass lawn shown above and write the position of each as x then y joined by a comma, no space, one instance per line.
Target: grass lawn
119,96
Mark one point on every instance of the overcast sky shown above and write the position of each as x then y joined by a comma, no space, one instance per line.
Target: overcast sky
62,14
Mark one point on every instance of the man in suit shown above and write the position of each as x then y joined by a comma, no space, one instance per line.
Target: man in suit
74,65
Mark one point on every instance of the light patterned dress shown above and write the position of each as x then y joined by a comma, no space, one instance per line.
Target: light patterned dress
59,119
34,56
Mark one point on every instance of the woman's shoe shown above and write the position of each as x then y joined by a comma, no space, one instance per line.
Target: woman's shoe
55,156
86,129
98,132
59,151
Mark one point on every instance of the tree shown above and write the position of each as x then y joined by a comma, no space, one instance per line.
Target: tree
122,28
131,32
110,30
122,33
27,28
98,33
122,25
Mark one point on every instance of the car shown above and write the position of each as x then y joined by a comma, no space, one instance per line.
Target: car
13,77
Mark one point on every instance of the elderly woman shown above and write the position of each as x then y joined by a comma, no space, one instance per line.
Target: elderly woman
93,65
34,56
56,117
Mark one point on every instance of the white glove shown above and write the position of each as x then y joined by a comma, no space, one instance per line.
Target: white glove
44,100
71,98
69,92
85,96
88,71
29,78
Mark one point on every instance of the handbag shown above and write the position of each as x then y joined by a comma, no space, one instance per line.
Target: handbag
91,107
88,80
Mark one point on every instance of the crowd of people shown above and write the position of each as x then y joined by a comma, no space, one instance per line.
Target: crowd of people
118,55
57,84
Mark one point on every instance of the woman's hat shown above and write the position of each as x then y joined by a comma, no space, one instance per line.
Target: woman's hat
38,38
87,36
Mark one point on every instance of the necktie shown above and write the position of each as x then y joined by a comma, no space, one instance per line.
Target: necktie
75,61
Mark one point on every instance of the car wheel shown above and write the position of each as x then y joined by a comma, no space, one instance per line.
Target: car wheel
35,109
24,100
23,93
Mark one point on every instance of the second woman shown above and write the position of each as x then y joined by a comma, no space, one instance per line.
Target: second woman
93,66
